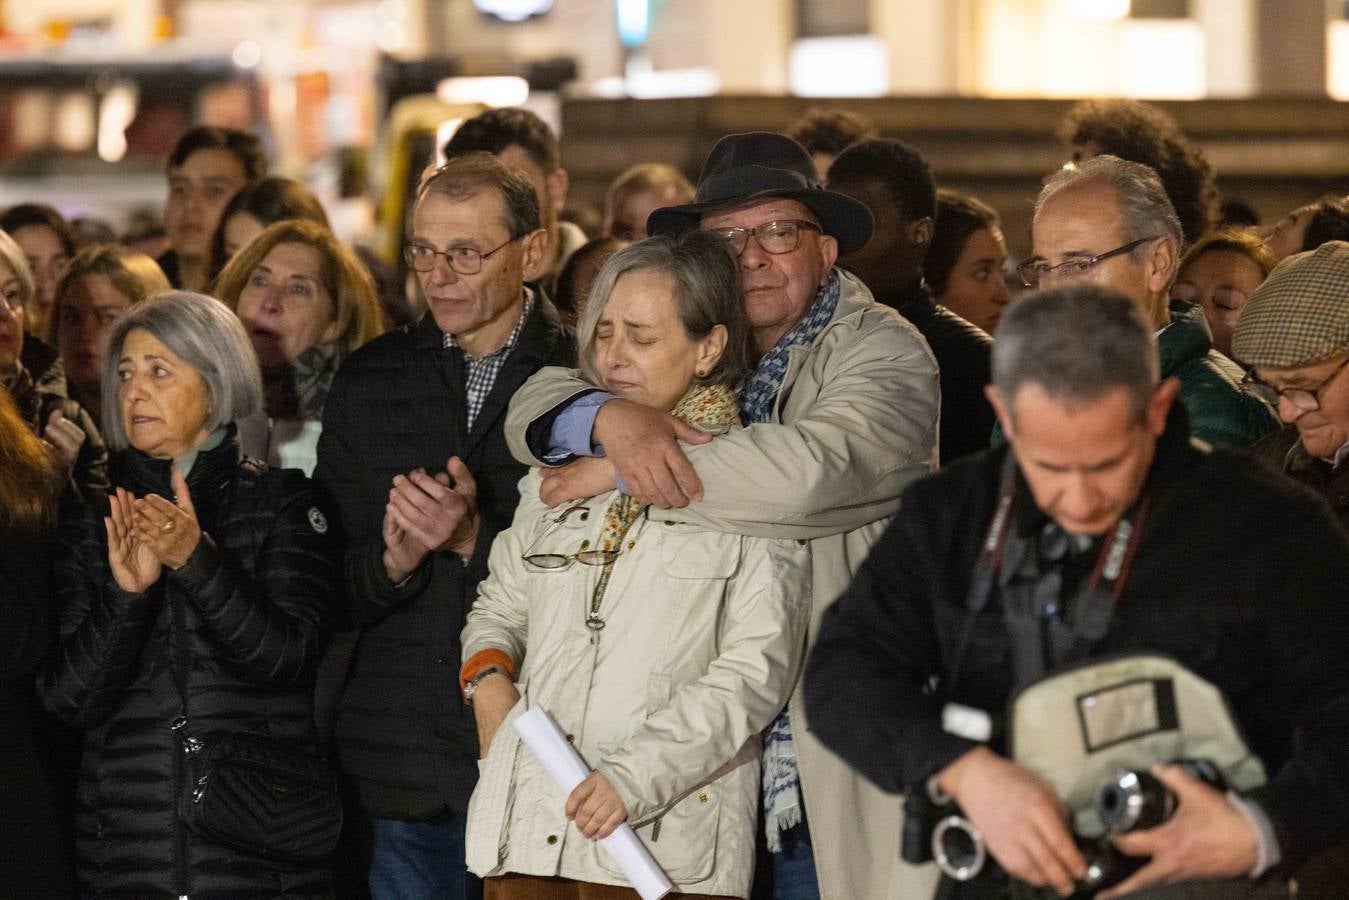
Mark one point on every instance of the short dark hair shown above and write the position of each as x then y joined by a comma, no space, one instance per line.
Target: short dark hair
578,275
496,129
26,215
244,145
896,165
831,131
463,176
1077,342
958,217
1142,133
271,200
1330,222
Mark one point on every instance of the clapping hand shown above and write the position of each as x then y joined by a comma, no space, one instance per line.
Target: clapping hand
170,531
134,566
65,439
426,513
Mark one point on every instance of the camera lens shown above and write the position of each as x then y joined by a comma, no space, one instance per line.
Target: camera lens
1134,801
958,848
1105,865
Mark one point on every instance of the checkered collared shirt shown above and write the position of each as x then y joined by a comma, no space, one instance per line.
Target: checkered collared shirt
481,373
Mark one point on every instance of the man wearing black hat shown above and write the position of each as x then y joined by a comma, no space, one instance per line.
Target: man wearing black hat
841,413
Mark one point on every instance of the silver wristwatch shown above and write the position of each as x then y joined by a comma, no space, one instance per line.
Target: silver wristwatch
472,687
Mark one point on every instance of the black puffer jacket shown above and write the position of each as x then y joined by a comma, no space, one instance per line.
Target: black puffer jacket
239,627
399,403
33,860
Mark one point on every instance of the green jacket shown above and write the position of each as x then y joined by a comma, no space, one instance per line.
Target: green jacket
1221,413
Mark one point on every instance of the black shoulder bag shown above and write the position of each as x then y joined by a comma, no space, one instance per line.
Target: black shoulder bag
253,793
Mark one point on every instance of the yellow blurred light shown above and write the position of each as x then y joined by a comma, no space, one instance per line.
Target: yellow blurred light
1337,60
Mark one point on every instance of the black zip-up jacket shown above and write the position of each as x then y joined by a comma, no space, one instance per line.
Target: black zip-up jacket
1239,575
238,628
963,353
397,404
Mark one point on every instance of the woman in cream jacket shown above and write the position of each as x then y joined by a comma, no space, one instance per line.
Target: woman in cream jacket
661,649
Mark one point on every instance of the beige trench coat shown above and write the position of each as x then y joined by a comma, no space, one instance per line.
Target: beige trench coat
704,637
855,422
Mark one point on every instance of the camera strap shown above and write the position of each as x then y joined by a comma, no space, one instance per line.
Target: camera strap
1095,604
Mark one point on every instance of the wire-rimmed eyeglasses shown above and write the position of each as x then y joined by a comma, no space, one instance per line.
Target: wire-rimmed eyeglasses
464,260
781,236
1306,399
1034,270
552,561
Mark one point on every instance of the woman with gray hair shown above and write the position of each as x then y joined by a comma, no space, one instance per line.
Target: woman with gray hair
662,649
197,609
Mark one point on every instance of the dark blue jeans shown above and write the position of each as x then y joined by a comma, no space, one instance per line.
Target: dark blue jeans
788,874
421,861
794,867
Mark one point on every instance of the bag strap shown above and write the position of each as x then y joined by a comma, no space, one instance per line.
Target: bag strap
985,568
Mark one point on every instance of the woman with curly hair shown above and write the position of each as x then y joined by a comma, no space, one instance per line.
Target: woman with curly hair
1140,132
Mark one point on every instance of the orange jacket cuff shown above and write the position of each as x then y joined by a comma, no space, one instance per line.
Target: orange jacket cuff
482,660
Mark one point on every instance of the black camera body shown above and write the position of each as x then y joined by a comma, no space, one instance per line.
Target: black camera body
1131,800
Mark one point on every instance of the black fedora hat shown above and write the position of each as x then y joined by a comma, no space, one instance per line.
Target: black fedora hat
761,165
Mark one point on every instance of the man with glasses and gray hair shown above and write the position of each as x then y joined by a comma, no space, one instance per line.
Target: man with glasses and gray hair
414,456
1107,221
1295,333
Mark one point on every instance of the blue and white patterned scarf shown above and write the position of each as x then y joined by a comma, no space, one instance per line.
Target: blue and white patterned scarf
757,393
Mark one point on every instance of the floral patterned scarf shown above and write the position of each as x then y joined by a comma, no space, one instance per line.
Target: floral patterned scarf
712,408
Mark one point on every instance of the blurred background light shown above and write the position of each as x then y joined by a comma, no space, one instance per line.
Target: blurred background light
495,90
1097,10
247,55
115,114
853,66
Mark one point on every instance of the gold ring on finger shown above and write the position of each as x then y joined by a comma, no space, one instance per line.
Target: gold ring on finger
168,526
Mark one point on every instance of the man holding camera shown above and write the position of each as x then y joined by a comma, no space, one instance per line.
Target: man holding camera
1101,531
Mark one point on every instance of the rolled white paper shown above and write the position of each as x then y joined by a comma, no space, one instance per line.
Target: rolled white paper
565,766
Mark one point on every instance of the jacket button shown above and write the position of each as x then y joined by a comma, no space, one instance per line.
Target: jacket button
552,839
702,798
571,739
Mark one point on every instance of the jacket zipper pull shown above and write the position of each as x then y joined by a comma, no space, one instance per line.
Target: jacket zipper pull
655,831
191,746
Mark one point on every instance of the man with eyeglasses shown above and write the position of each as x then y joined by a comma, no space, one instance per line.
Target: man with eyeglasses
414,456
1109,222
842,412
1295,332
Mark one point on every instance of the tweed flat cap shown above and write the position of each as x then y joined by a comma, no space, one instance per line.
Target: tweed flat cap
1300,315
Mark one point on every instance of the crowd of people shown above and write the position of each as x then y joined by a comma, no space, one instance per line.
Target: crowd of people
779,493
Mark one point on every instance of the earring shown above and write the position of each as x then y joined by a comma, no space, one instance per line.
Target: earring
700,373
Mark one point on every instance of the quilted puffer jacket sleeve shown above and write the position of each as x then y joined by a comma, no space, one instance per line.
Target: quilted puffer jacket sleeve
103,628
272,624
